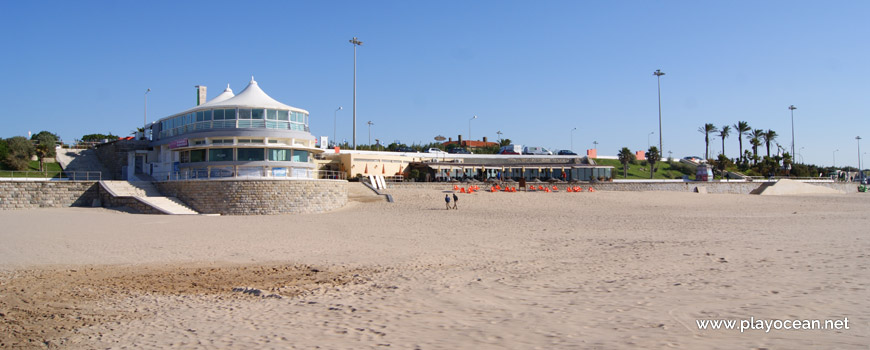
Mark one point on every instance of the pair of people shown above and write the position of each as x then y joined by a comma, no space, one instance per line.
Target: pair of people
447,200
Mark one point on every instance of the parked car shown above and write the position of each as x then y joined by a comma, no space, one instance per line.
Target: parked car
534,150
566,152
435,150
511,149
695,159
458,150
405,149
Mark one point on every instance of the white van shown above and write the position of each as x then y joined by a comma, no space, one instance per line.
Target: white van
541,151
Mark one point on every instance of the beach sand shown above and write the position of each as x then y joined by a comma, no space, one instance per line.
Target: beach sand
602,270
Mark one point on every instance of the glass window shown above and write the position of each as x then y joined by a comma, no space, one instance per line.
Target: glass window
200,115
220,154
218,114
197,155
256,114
283,115
229,114
184,157
271,114
250,154
279,155
207,115
244,113
300,156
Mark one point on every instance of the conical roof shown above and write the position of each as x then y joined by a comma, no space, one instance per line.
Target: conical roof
254,97
226,95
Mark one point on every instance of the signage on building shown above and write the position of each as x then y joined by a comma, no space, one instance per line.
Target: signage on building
324,141
178,143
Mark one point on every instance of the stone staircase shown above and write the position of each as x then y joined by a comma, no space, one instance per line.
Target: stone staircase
147,193
80,160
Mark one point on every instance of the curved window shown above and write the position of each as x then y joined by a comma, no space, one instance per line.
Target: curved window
220,154
279,155
250,154
300,156
197,155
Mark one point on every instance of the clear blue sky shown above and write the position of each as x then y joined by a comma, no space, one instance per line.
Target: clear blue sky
534,71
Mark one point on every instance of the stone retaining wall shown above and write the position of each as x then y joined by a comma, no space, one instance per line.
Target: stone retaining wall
47,194
258,197
712,187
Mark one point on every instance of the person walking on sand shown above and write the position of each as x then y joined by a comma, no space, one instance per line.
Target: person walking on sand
447,199
455,200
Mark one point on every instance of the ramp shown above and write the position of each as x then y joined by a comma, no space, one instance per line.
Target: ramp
791,187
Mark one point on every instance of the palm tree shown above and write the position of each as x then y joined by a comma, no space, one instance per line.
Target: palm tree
625,157
742,128
769,136
755,139
724,133
706,130
653,156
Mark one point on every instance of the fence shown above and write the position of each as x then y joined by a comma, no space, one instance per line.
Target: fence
251,173
35,175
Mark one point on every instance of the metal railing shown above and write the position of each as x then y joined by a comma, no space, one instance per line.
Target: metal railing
35,175
251,174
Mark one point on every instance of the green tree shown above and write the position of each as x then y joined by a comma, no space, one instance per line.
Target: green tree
706,130
769,136
625,157
504,142
652,157
724,133
755,140
45,147
20,152
98,137
4,150
742,128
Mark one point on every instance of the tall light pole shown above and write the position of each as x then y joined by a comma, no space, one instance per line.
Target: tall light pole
370,132
647,138
145,118
499,135
469,127
355,43
835,159
858,138
572,139
792,108
801,154
658,73
334,123
595,145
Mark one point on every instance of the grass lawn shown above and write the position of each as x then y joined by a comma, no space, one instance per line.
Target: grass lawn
638,171
51,170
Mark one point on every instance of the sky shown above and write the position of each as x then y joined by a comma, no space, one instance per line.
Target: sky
534,71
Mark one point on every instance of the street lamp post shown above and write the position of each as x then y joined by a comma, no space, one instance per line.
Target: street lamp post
595,145
355,43
334,123
801,154
572,139
858,138
835,158
469,128
658,73
370,132
499,135
145,118
647,138
792,108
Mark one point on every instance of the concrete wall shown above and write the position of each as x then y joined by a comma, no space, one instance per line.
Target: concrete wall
47,194
712,187
258,197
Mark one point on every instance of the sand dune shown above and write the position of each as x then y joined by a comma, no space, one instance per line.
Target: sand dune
506,271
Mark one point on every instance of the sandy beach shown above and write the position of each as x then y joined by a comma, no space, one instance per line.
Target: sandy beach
603,270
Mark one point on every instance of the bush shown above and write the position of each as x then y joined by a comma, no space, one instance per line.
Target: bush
683,168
